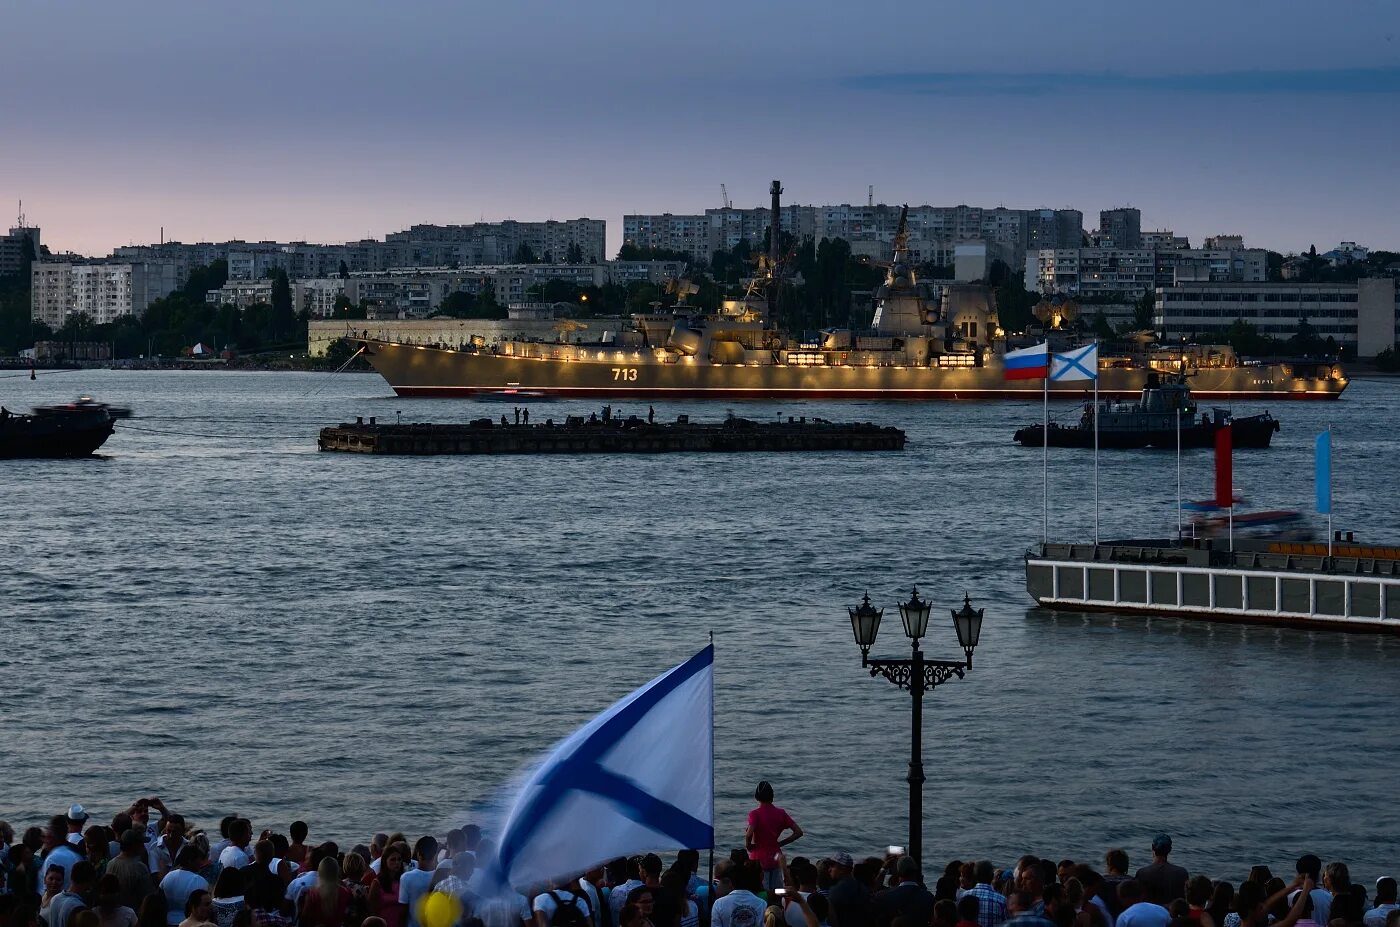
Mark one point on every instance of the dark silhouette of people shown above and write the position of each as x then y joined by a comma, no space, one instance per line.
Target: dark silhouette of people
526,414
651,415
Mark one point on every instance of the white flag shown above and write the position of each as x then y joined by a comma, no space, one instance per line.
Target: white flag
1079,364
637,778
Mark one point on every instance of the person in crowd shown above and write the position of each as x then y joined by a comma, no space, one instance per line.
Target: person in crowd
969,909
967,879
742,907
58,852
384,889
236,854
416,882
1260,874
991,903
1138,911
96,848
666,908
327,903
152,910
1025,908
1346,905
945,913
164,852
947,884
1385,903
298,852
180,882
1198,895
264,897
848,897
630,915
110,910
224,842
1309,868
131,869
632,868
77,820
675,882
53,887
1162,881
769,829
644,897
352,876
565,905
228,897
79,896
908,899
199,909
1222,903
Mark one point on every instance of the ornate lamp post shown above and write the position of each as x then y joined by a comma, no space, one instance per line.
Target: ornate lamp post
918,676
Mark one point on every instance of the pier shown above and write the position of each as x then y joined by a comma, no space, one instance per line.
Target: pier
608,435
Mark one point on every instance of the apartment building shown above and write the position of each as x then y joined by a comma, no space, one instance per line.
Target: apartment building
21,244
1134,271
102,290
1362,315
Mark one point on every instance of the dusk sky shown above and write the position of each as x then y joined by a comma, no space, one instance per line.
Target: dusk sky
326,121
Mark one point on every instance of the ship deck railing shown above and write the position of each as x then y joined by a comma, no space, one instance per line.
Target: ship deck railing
1249,554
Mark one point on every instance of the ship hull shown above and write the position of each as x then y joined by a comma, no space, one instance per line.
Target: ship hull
419,370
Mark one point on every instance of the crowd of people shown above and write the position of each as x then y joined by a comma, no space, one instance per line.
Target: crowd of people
150,867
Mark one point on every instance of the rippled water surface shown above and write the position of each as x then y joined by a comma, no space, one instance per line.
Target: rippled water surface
217,613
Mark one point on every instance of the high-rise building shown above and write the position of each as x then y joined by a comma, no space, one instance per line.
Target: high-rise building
20,245
104,291
1120,228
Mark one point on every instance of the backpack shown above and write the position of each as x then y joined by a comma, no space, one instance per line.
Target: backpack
567,913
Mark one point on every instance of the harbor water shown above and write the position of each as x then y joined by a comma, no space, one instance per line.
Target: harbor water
216,613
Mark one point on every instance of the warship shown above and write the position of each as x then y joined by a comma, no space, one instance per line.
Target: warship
918,346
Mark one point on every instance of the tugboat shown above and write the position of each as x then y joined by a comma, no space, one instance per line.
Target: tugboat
1154,421
55,431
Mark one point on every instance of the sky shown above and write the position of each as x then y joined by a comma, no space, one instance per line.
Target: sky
333,121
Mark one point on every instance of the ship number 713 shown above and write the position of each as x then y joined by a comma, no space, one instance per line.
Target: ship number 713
624,373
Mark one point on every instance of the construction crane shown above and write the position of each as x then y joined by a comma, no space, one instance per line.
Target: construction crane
724,194
870,196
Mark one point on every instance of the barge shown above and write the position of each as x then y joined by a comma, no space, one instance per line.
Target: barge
607,434
1355,587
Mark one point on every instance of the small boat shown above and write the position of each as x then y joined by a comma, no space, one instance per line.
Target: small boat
54,432
1155,420
84,404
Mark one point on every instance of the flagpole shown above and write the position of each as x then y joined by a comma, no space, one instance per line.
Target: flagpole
710,876
1179,409
1045,456
1096,449
1330,535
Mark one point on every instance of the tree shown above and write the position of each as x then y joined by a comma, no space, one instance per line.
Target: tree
344,309
574,255
1015,303
1144,310
1101,327
282,320
524,254
344,271
206,278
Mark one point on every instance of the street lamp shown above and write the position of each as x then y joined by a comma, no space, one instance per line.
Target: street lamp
918,676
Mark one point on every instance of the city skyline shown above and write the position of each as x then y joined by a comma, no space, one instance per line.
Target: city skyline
334,123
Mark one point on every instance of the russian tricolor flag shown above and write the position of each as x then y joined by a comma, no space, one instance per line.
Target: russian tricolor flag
1028,363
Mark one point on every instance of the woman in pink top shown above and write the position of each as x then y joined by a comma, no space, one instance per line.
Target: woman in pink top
764,836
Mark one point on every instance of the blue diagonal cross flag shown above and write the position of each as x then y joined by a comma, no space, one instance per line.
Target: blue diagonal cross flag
1079,364
637,778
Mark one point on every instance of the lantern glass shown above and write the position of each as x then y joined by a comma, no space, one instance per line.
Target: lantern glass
865,623
968,623
914,614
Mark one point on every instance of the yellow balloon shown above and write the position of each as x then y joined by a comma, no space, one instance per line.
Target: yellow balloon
439,909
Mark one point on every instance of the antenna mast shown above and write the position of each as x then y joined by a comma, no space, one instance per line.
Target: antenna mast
870,196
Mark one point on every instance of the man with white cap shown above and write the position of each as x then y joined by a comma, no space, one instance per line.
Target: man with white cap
77,820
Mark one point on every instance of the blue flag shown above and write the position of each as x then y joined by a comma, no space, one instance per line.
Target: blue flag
1322,473
637,778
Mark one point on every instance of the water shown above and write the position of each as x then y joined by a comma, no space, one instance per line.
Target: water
238,623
